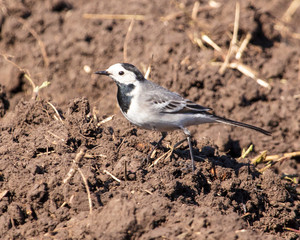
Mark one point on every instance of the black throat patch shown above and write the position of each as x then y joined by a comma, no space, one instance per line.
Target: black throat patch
123,99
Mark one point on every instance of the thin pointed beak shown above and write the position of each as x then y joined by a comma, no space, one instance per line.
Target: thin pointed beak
102,73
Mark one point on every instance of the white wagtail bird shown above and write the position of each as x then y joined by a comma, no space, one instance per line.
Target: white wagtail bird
150,106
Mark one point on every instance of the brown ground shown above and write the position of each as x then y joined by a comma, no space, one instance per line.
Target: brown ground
226,198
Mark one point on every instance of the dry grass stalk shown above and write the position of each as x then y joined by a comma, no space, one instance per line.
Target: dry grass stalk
56,136
210,42
195,10
3,194
246,152
111,117
125,171
35,88
289,155
260,158
246,71
171,16
273,159
167,154
114,177
233,42
233,48
39,40
287,16
296,96
127,39
94,156
114,16
87,189
243,46
292,230
147,74
285,31
195,39
78,158
8,57
147,191
249,73
55,110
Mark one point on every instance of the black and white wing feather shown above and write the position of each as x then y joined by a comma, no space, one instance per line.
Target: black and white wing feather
173,103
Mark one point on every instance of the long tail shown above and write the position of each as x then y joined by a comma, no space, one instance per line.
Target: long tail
240,124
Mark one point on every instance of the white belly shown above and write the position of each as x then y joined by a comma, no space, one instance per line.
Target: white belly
163,122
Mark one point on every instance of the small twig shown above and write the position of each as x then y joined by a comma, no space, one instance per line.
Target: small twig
127,39
40,42
114,16
114,177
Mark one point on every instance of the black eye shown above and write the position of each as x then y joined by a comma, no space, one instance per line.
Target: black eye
121,73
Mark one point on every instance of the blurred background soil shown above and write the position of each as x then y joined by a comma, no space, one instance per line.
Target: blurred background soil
111,193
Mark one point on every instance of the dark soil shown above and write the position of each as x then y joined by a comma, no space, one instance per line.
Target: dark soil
226,197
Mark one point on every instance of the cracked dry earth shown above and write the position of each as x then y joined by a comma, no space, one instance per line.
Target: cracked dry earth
226,198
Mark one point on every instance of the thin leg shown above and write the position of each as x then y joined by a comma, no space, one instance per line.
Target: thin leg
163,135
188,137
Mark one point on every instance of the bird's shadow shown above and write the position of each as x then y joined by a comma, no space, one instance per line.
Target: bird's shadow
228,160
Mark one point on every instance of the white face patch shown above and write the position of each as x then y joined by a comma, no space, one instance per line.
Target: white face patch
120,74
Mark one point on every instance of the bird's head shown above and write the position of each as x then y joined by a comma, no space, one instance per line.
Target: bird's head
123,73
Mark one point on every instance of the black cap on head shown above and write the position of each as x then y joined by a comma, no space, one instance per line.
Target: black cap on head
132,68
